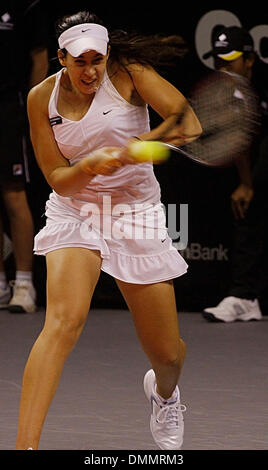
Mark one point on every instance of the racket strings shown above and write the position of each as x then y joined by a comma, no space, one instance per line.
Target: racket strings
227,110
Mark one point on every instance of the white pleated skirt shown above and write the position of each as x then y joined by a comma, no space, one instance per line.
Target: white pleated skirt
133,241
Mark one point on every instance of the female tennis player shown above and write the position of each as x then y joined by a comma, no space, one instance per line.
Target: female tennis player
96,103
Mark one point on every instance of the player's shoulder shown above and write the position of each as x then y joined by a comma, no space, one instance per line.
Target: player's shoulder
40,94
137,68
140,73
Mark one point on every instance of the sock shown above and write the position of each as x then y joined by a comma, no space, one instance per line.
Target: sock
3,280
24,276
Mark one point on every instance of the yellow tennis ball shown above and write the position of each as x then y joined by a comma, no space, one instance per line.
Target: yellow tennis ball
144,151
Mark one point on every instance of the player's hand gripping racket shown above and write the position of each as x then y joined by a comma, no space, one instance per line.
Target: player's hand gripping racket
227,109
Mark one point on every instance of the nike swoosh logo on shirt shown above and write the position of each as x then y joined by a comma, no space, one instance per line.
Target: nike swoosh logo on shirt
84,30
106,112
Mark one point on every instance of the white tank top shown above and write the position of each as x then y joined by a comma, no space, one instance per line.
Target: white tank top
109,121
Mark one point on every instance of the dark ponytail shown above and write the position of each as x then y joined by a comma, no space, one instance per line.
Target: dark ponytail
154,50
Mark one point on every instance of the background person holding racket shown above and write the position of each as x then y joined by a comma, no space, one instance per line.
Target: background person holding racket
233,52
93,105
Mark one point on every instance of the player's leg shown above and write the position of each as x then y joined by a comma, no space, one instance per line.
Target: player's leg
2,268
22,234
72,274
154,311
4,287
21,225
155,315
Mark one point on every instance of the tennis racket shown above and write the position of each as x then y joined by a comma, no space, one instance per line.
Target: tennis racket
227,108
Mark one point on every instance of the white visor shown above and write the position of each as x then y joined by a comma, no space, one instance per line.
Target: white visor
84,37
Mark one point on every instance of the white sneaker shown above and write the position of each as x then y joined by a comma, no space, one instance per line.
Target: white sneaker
167,426
5,295
233,309
23,298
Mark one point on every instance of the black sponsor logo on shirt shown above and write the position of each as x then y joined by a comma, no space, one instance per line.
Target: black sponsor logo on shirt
55,120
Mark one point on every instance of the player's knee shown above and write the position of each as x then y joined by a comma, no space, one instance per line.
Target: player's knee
172,357
65,326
